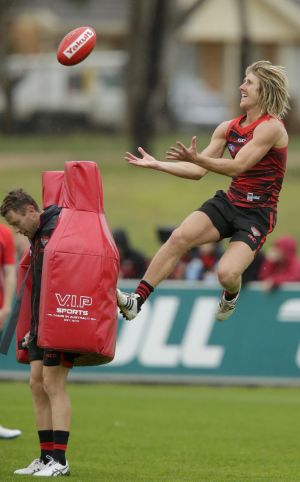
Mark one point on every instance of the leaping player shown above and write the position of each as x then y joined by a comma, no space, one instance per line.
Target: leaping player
257,142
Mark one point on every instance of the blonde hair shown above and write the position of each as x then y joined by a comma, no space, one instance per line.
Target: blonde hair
273,90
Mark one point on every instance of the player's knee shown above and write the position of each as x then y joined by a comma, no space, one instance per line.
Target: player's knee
49,386
178,240
227,276
53,386
36,385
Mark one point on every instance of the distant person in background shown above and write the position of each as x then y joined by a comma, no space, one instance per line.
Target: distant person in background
281,264
7,273
7,292
210,254
204,262
9,433
199,263
132,262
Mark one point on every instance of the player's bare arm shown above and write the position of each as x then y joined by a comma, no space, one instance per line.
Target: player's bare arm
215,148
267,135
183,167
185,170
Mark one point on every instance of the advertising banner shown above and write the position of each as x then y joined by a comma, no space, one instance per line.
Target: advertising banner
175,338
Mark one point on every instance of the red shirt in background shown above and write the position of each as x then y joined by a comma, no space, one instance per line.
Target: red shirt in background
7,253
285,270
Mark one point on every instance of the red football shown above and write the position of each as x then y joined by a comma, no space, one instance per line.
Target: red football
76,45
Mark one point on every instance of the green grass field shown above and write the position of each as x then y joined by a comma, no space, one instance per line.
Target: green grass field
139,199
134,433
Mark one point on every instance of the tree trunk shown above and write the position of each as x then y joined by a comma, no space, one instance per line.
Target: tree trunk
6,83
245,42
148,26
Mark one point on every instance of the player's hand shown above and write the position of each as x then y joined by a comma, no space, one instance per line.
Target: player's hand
183,153
25,340
145,161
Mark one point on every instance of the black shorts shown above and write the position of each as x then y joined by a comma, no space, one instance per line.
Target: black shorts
50,358
250,225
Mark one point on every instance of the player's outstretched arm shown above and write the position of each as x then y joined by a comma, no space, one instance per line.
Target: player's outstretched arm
146,160
185,170
266,135
183,153
215,148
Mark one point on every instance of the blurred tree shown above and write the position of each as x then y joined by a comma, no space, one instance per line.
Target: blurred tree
245,42
7,82
147,33
151,25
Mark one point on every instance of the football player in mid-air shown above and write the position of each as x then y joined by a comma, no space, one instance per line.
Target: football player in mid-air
257,142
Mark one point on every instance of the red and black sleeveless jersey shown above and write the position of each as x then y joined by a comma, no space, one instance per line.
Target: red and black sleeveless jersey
260,185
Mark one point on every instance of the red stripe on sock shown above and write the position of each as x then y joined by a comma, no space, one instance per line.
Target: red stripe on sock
144,290
60,447
46,445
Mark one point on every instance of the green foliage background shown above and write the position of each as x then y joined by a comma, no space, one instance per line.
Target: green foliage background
135,198
154,433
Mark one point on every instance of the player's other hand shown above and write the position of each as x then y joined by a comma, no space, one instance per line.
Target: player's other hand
144,161
183,153
25,340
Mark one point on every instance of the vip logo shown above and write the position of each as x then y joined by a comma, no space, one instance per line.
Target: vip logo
74,301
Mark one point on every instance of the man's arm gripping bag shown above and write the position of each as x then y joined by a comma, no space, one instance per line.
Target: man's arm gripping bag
23,323
51,185
78,310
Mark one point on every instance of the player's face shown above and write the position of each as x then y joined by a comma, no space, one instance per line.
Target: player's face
26,224
249,92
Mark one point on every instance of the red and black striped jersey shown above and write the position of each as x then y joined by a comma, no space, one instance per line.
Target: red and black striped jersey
260,185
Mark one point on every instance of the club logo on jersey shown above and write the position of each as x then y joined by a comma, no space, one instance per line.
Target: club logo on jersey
255,231
231,147
252,197
253,239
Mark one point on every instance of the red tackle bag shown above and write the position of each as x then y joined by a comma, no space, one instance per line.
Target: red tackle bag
52,182
78,309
